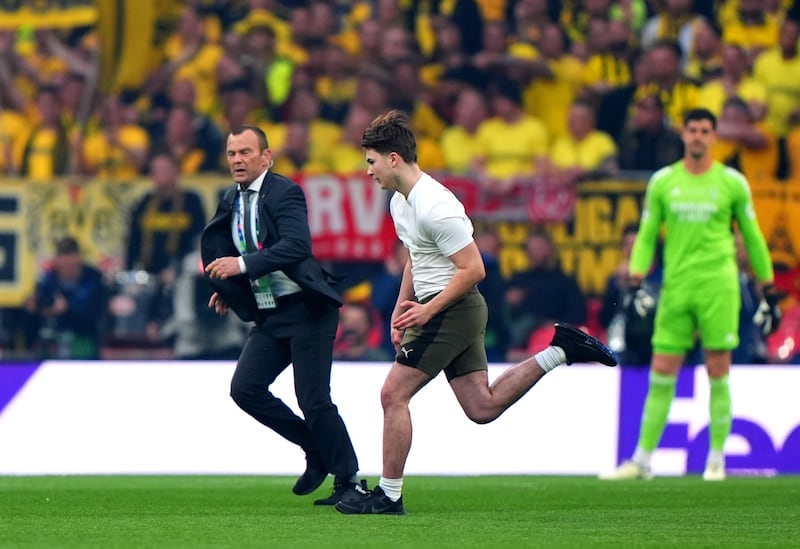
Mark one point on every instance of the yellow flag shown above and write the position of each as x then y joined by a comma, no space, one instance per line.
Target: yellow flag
126,29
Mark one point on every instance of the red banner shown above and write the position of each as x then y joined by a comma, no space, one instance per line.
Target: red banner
349,218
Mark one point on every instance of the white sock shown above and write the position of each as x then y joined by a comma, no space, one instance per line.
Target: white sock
715,457
392,487
642,458
550,357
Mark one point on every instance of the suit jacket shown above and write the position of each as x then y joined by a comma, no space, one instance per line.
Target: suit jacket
286,240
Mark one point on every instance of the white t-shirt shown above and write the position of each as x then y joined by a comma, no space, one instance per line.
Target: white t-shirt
433,225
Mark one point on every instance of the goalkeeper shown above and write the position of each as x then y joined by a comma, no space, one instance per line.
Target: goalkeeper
696,200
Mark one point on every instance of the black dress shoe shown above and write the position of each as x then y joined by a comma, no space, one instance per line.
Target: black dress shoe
312,478
580,346
344,491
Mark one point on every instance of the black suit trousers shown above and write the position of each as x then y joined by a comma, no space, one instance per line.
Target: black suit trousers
296,335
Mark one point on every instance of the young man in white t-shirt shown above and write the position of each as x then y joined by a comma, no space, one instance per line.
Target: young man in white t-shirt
440,317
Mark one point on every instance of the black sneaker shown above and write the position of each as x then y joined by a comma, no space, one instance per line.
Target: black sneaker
312,478
344,490
580,346
373,503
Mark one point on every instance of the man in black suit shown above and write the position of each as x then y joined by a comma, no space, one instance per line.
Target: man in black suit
257,256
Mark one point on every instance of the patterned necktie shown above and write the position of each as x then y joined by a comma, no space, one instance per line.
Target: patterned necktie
249,237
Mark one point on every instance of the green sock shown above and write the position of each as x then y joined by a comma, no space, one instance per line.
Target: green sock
720,411
656,410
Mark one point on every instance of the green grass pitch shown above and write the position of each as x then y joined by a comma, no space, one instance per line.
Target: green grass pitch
457,512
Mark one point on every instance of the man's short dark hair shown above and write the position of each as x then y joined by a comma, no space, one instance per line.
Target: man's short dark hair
262,137
67,245
391,132
700,114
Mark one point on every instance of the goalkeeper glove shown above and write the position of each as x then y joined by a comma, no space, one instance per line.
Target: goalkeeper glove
640,301
768,315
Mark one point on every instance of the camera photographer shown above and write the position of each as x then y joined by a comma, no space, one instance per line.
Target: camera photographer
68,306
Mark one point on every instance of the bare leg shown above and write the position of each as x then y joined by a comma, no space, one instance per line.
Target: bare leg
401,384
484,403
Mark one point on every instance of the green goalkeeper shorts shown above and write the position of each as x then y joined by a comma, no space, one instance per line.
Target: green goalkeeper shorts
683,315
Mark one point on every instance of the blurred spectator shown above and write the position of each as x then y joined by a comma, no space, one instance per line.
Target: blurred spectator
585,152
459,141
705,57
675,23
294,158
165,222
347,157
119,150
14,125
778,68
734,82
746,145
647,144
336,86
677,93
616,106
182,141
751,27
47,151
305,109
511,143
556,79
577,18
543,293
609,66
492,287
198,332
68,307
355,339
190,54
410,95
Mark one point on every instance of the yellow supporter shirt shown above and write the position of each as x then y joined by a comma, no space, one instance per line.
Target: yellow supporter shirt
781,77
588,153
287,168
677,101
549,100
459,148
43,159
426,121
276,133
604,68
712,95
323,136
345,159
429,154
752,37
510,150
757,165
105,160
201,69
14,132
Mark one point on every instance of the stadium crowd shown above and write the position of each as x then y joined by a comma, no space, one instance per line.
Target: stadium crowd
513,95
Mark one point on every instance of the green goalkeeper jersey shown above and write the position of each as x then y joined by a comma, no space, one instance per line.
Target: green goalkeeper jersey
697,213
